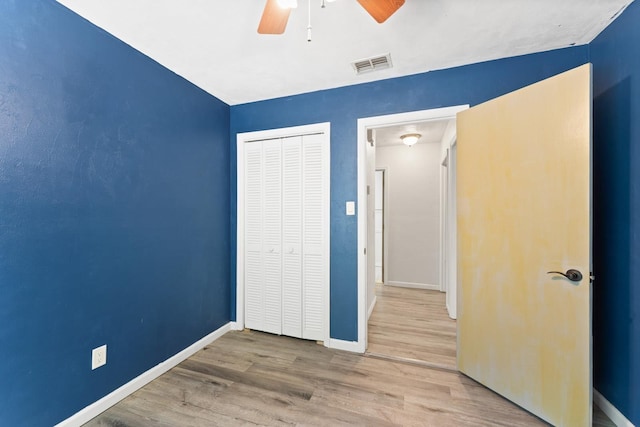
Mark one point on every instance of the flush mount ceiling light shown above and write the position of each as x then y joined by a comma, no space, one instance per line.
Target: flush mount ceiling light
410,138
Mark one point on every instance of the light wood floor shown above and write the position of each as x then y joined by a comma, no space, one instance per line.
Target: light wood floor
253,378
412,324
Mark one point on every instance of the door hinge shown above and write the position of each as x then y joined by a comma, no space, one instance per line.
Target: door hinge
592,276
368,190
365,251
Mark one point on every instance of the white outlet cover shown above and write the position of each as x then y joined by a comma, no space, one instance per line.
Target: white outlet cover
98,356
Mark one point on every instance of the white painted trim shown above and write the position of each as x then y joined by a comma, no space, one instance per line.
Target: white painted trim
450,246
361,255
240,232
385,222
363,125
610,411
141,380
326,128
241,139
446,142
414,285
372,306
444,182
352,346
235,326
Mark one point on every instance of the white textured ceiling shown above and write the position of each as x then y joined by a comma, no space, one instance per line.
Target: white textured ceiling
215,45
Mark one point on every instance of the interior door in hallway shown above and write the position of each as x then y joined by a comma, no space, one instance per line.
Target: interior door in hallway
524,210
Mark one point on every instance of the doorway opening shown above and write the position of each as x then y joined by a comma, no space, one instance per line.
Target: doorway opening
405,196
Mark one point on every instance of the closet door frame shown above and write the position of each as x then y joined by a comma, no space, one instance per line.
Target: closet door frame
241,140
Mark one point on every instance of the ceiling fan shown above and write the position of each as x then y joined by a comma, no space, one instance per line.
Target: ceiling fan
274,17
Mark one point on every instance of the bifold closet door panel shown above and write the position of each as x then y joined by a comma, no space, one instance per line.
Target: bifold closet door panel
314,224
292,236
272,235
253,272
286,235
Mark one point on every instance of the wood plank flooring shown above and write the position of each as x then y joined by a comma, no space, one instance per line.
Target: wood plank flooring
412,324
253,378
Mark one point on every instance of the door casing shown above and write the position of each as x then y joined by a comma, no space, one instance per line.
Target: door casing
385,178
365,124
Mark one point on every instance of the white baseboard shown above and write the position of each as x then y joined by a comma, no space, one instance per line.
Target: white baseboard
414,285
610,410
140,381
352,346
449,311
371,307
236,326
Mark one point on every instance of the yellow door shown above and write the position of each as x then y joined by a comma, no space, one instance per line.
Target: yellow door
524,203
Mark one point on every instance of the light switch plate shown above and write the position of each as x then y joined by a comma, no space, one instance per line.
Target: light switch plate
351,208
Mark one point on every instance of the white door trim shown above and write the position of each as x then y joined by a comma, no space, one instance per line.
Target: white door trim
444,192
241,139
363,125
450,245
385,226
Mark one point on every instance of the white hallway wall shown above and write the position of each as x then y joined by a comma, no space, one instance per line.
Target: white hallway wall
413,215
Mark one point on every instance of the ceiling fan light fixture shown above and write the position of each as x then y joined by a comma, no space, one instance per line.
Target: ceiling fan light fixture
288,4
410,138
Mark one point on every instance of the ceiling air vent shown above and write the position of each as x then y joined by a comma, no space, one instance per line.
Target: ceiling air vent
374,63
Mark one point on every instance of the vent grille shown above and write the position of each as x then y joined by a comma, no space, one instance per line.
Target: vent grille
374,63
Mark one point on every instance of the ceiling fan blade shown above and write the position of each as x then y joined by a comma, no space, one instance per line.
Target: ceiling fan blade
274,18
381,10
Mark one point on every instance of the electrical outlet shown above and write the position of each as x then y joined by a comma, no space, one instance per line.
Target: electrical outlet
98,356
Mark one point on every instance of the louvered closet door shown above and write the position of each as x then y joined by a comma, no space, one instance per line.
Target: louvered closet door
253,273
314,225
292,236
286,235
272,235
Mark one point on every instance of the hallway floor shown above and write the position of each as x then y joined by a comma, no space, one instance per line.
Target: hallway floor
412,325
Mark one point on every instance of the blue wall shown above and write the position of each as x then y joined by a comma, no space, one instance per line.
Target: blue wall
117,198
615,54
114,212
342,107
